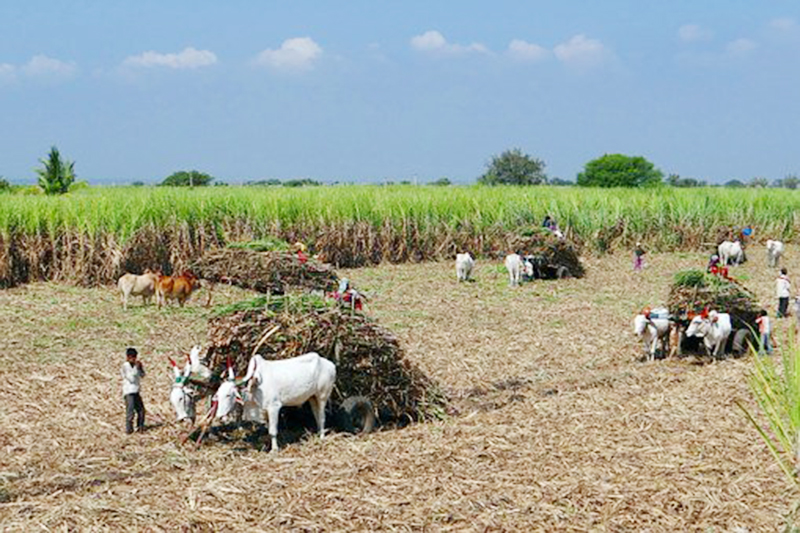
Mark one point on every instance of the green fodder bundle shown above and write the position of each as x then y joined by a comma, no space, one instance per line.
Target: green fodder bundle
694,290
556,252
369,360
266,272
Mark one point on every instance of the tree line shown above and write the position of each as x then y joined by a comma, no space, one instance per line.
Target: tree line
512,167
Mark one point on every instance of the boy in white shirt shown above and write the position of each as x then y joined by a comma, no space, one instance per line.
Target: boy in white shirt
132,373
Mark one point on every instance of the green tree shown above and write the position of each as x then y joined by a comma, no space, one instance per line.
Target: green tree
5,186
759,183
617,170
56,175
789,182
513,167
190,178
734,184
441,182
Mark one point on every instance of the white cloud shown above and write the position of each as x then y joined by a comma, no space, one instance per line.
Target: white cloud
741,46
189,58
42,65
581,52
298,53
525,51
7,71
690,33
433,42
783,24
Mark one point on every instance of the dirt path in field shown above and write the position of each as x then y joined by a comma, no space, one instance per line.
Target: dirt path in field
554,424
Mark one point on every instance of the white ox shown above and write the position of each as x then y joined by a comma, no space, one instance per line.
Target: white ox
774,252
652,330
714,330
181,396
134,285
290,382
515,267
464,264
731,252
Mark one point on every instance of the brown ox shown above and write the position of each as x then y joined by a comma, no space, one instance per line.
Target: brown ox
133,285
176,288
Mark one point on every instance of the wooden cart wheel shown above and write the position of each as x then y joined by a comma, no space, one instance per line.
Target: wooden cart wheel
358,415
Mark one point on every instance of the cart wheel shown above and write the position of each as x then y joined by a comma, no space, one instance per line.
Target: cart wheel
562,272
358,415
742,341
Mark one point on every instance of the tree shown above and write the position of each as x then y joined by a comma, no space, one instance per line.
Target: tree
57,175
191,178
617,170
5,186
789,182
674,180
734,184
558,182
512,167
441,182
758,183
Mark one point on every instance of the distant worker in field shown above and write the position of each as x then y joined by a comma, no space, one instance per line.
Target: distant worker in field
132,374
550,224
783,288
638,257
713,264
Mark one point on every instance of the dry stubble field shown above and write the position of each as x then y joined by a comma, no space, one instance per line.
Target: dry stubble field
554,422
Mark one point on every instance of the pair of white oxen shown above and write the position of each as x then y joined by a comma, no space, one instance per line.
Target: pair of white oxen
269,386
714,329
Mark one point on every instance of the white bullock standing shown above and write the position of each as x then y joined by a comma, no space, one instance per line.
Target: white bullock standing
515,267
181,396
731,251
137,285
464,264
714,330
652,327
290,382
774,252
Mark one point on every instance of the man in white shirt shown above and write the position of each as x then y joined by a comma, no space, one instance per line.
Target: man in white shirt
132,373
783,289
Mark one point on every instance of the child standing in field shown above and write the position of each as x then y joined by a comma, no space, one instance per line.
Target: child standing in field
765,330
783,288
132,373
638,257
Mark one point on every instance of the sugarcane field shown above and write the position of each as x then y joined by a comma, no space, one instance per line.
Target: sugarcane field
480,398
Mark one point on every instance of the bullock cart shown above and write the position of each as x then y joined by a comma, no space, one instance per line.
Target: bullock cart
551,257
694,291
375,382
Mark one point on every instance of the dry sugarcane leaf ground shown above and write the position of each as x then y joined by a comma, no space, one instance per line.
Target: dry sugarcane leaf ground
554,425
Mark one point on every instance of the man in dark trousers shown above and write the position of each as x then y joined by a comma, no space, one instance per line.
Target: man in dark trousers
132,373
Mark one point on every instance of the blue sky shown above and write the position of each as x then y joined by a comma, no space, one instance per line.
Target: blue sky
377,90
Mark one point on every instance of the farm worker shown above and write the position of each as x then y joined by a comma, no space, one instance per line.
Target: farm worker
713,264
783,288
548,222
765,330
132,373
638,257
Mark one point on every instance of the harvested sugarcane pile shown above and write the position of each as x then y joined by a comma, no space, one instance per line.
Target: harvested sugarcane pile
265,271
558,256
369,360
694,290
